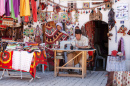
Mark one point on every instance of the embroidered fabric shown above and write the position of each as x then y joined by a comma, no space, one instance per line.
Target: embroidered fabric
22,60
123,30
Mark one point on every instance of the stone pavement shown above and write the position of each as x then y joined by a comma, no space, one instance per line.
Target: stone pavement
95,78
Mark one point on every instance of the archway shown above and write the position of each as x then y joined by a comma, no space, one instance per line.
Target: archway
96,31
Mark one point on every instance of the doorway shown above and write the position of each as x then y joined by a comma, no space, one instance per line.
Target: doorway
96,31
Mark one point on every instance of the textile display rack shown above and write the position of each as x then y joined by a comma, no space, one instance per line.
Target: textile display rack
14,75
23,61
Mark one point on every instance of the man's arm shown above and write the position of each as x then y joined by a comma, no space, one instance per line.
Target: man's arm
81,46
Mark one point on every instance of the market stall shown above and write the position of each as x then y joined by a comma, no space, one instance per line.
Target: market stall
22,58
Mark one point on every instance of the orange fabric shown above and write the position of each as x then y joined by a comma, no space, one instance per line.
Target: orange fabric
24,8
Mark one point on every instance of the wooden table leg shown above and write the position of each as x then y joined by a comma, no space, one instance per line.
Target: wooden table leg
57,65
55,62
83,64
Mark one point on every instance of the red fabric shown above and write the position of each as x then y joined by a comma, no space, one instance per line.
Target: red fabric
26,19
34,10
38,58
6,60
90,31
0,21
3,26
114,53
90,53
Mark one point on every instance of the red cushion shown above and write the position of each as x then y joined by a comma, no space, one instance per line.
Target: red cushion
114,53
90,53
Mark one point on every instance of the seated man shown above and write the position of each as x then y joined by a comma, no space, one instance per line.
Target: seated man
81,42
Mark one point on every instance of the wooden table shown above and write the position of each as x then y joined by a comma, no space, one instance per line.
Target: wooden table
84,64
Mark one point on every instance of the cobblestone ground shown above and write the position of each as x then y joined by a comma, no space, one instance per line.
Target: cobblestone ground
95,78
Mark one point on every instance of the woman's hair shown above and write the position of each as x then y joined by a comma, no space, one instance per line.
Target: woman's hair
78,31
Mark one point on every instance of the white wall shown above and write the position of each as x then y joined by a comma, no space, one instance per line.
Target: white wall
83,18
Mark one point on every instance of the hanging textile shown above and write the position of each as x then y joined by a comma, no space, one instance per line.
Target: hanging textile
16,4
2,11
6,60
12,10
34,10
38,34
64,17
24,8
28,34
121,47
52,35
69,20
7,8
122,30
38,58
116,34
56,18
111,19
90,32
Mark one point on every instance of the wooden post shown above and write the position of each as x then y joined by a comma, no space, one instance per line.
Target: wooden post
83,64
55,62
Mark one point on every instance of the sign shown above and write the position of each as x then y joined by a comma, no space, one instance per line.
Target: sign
122,12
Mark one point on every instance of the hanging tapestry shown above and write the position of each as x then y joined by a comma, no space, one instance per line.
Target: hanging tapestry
37,31
121,47
52,35
55,18
70,31
111,19
28,34
123,30
64,17
38,58
6,60
38,34
90,31
76,15
44,16
69,20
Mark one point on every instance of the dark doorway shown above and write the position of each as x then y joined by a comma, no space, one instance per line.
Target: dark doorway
97,33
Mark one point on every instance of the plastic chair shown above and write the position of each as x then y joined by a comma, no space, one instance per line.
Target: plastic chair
98,56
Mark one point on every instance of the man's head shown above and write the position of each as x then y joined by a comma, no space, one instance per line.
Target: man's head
78,34
77,27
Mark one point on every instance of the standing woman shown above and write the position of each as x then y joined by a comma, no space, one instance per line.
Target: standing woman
53,37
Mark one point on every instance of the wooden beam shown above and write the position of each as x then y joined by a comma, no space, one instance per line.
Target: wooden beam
70,75
68,68
72,59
